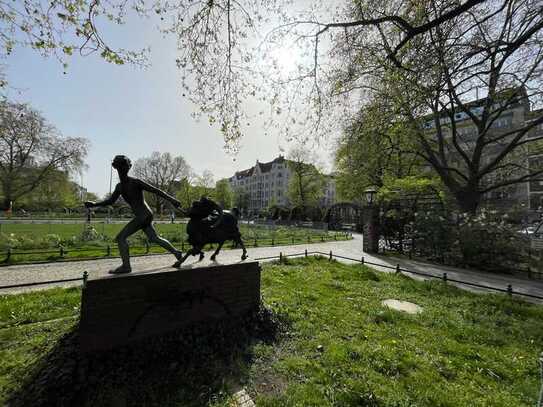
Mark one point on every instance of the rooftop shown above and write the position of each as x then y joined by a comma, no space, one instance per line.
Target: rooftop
264,167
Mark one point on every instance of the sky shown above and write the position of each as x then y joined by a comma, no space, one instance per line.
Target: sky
129,110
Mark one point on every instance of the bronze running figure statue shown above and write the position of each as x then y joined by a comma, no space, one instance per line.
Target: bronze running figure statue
131,189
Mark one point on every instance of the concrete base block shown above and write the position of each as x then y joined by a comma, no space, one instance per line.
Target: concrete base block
118,310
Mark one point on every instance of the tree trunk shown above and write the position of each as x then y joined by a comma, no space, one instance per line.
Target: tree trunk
6,187
468,199
158,206
6,203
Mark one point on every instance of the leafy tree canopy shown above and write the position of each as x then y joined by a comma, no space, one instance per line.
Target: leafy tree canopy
32,151
235,51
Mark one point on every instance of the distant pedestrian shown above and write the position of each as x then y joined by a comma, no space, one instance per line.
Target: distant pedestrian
172,216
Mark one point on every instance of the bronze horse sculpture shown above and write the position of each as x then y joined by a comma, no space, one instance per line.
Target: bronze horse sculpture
209,223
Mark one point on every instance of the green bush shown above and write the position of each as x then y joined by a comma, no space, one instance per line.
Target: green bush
25,242
52,240
484,241
433,235
89,234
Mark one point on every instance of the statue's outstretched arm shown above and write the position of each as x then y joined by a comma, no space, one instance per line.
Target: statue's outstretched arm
110,201
160,193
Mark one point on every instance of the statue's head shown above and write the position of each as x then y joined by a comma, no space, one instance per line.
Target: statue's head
121,163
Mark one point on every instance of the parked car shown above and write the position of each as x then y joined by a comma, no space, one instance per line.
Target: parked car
529,230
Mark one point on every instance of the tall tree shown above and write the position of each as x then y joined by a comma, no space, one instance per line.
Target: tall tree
57,193
32,150
241,199
194,186
222,68
222,72
223,194
306,184
203,184
373,147
161,170
495,50
185,192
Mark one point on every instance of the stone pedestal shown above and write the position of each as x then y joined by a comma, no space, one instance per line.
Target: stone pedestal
126,308
370,231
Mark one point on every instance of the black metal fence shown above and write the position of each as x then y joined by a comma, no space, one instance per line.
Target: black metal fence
522,260
289,223
397,269
484,242
62,253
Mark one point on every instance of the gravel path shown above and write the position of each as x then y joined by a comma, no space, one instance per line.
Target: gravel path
23,274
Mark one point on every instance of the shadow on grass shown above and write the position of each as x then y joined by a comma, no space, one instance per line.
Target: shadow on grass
195,366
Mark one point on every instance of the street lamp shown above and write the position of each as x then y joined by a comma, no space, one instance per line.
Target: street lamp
370,215
370,192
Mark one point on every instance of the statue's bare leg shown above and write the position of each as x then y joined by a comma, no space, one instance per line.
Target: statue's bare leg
217,251
130,228
153,236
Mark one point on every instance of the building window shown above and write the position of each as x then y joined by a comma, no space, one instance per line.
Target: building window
502,122
428,125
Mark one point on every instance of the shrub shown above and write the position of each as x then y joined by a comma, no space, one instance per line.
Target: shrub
433,235
485,241
51,240
88,234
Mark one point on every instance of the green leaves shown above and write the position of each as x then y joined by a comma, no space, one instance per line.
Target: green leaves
39,44
112,56
375,148
394,187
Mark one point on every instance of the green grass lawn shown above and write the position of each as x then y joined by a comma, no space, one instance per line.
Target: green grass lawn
28,241
68,230
338,347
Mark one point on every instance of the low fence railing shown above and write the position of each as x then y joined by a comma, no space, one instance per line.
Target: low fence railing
293,223
531,258
508,289
61,253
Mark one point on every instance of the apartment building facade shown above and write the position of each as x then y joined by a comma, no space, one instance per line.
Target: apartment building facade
535,187
266,184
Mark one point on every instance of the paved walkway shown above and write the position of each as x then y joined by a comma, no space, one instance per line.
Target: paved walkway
21,274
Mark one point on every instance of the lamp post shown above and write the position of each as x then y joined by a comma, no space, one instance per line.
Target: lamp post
370,193
370,216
